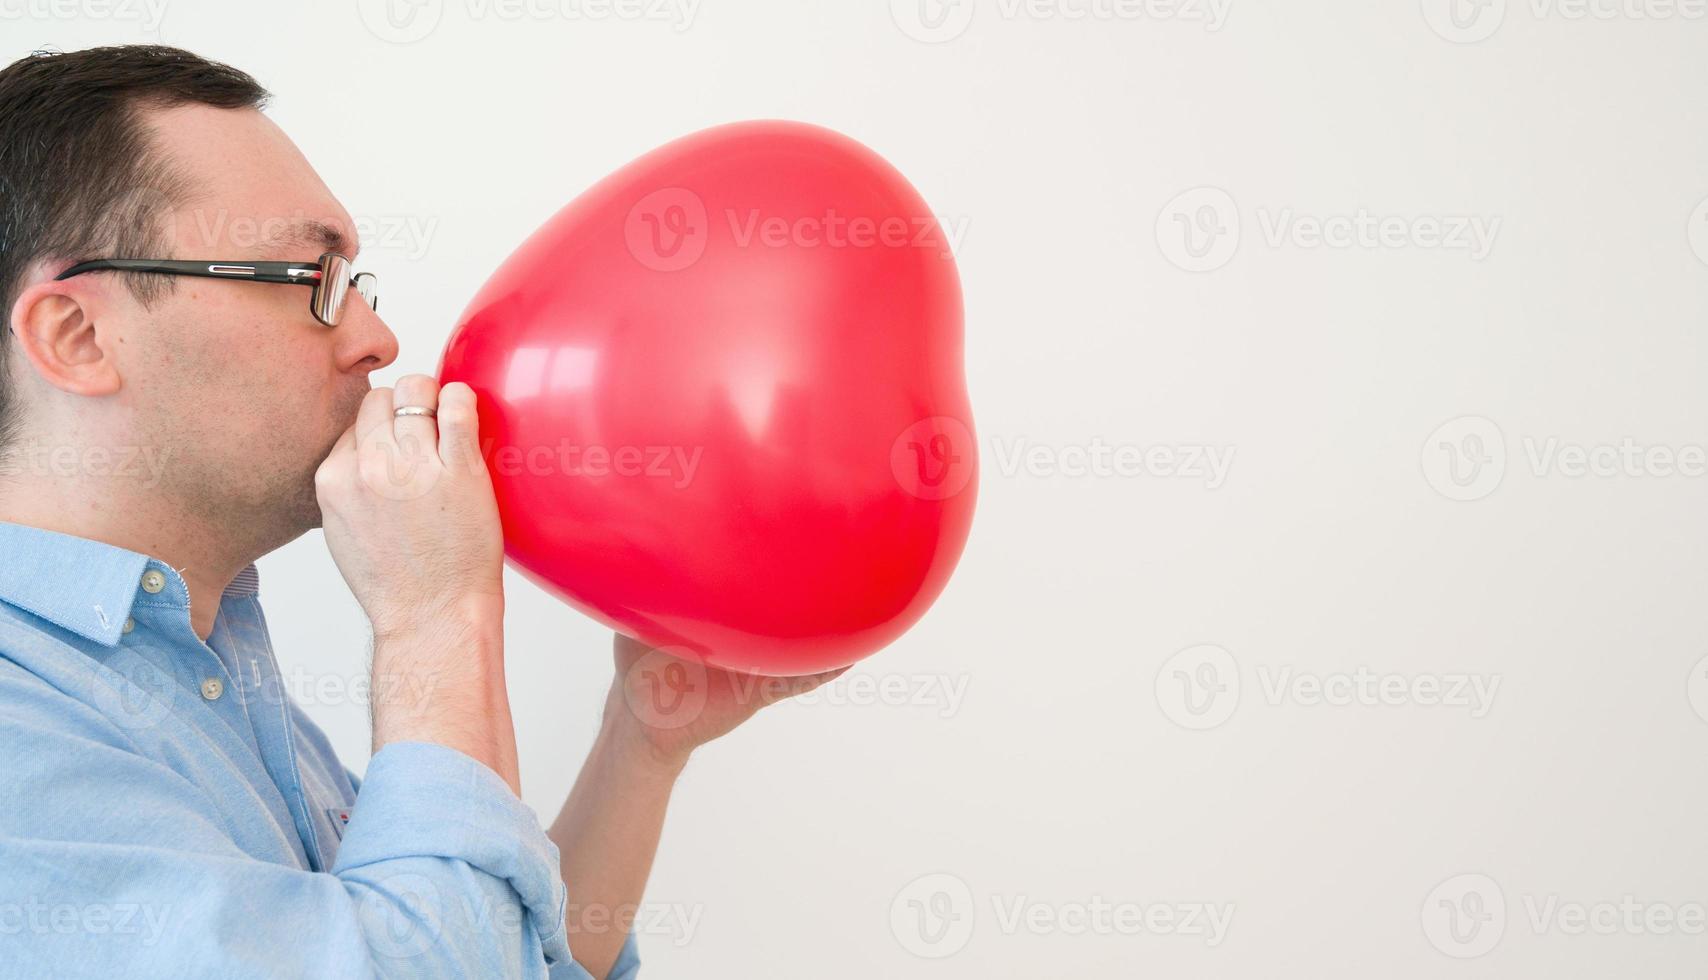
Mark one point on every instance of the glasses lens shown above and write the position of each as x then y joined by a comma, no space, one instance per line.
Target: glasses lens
369,288
328,299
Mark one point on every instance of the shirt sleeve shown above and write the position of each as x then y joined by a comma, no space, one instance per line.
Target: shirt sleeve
116,864
626,967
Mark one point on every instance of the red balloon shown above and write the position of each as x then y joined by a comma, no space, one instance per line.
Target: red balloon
722,400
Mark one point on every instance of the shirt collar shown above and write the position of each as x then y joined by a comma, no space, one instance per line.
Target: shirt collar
86,586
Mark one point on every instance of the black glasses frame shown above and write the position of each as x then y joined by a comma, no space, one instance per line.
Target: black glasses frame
329,275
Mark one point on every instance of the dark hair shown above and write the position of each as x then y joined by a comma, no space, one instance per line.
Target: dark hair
80,176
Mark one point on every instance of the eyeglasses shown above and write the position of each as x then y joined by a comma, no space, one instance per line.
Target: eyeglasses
329,275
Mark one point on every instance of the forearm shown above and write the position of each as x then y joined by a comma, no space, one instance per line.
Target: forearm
441,680
607,835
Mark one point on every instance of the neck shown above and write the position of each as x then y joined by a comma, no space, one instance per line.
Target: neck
204,557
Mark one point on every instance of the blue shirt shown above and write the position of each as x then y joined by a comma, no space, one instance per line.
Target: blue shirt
166,809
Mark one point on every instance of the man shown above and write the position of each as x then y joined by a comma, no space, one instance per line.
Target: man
164,809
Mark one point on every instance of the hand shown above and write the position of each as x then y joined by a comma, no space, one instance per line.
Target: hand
668,707
659,710
412,522
408,508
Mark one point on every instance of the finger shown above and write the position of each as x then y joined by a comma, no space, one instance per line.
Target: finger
459,428
416,435
373,419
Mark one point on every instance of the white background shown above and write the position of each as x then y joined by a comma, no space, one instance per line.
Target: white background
1087,761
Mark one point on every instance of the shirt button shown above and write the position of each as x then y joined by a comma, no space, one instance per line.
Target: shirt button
153,581
212,688
130,624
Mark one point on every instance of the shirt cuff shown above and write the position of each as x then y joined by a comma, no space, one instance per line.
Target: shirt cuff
422,799
627,966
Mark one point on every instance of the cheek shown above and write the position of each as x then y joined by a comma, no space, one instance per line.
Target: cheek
225,351
224,376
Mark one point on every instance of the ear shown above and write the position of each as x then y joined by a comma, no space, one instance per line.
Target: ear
63,329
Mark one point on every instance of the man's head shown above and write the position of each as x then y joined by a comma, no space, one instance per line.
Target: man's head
232,387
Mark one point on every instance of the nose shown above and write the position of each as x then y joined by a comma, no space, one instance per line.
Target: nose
364,342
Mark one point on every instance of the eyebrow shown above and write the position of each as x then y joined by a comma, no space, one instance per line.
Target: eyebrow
310,232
